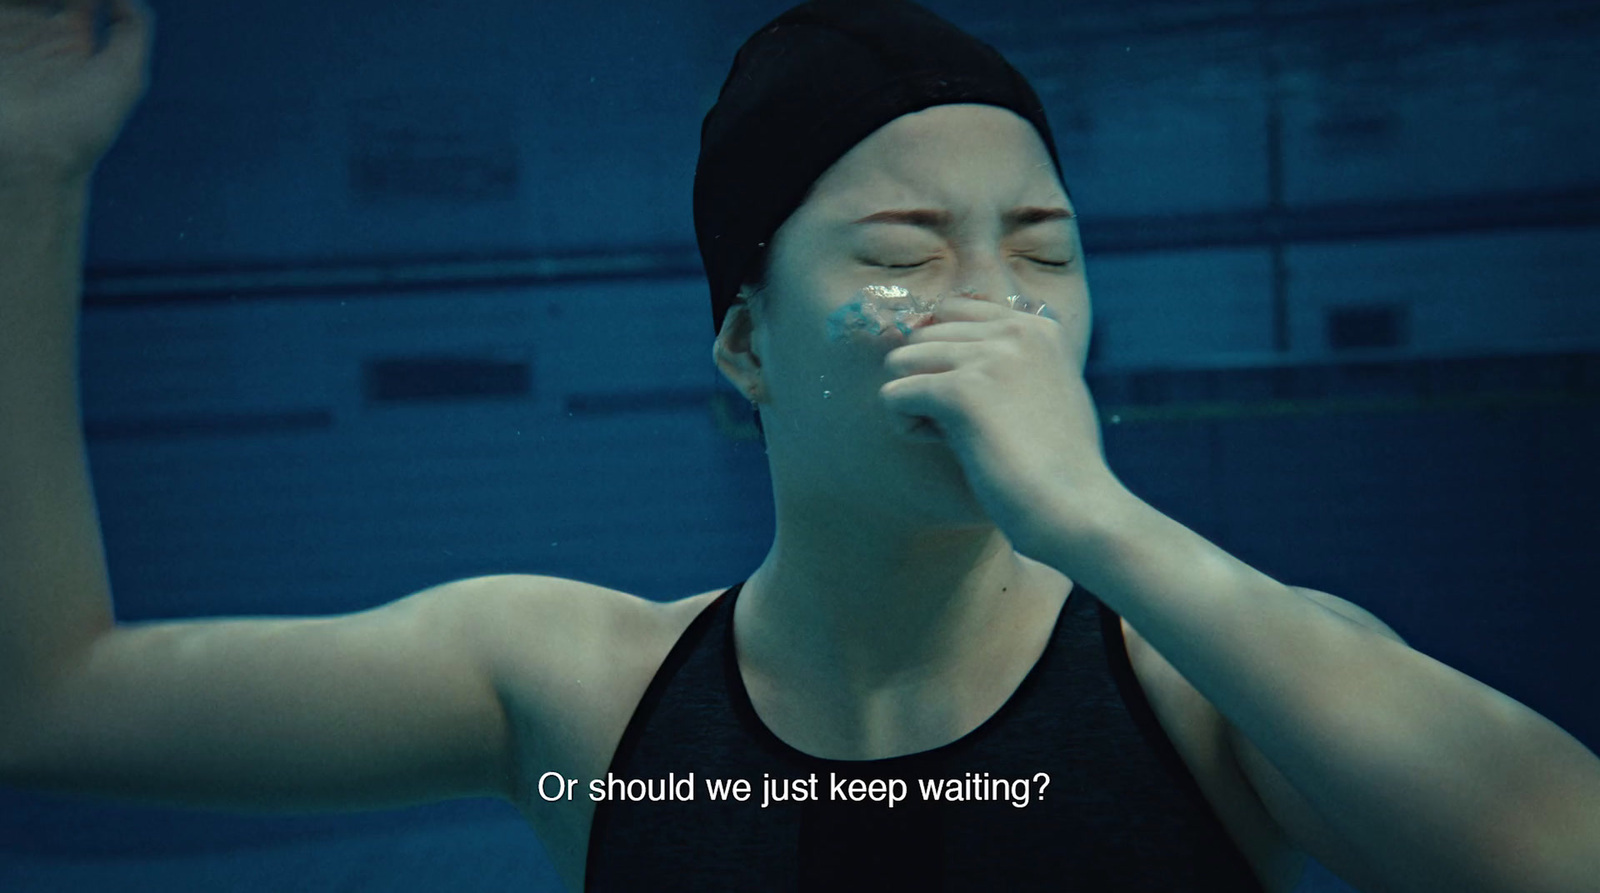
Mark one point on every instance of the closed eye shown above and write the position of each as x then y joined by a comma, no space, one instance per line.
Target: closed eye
1048,263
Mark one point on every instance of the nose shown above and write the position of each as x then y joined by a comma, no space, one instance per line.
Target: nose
1003,293
979,294
987,279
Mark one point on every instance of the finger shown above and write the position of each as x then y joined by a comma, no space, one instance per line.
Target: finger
77,8
915,407
959,308
919,359
951,331
963,307
47,7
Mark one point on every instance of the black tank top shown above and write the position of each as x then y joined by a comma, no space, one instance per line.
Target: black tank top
1120,812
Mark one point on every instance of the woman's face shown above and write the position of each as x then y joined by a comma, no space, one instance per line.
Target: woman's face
979,172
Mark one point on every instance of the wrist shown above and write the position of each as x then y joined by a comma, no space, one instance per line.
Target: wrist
34,188
40,215
1081,518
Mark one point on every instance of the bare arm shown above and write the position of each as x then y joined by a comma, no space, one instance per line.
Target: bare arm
386,707
61,105
394,705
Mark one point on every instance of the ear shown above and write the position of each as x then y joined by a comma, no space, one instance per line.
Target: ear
733,350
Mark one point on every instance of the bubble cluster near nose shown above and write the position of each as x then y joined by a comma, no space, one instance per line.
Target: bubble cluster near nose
885,309
880,309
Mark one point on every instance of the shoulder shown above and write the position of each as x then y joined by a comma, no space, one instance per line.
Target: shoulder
569,659
534,618
550,631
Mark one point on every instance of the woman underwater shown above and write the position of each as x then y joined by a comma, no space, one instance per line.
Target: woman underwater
959,589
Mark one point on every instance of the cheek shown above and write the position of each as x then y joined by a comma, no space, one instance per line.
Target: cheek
1082,333
832,387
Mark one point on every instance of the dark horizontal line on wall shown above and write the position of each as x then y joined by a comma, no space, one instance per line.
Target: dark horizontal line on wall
1366,386
621,402
1261,409
434,379
1345,222
109,288
244,280
1396,385
1114,21
1372,385
1421,378
220,424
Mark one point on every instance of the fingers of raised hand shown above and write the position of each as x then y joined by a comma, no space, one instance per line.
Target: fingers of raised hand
969,309
46,29
925,357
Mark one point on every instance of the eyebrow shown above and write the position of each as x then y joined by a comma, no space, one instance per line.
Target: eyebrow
929,218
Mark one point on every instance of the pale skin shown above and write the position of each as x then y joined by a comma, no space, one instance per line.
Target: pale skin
895,611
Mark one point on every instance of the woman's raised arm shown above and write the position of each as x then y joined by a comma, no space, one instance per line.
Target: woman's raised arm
398,704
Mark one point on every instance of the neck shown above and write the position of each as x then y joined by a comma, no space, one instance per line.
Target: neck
869,604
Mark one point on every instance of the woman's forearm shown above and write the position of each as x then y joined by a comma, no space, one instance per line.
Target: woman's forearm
54,590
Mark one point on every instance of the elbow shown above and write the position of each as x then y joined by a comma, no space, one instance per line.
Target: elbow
31,732
19,722
30,713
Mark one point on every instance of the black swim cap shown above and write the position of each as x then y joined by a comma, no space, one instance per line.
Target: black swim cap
808,87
